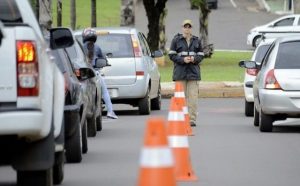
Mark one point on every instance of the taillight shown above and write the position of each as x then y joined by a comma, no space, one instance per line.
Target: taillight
139,73
136,49
271,81
252,72
27,69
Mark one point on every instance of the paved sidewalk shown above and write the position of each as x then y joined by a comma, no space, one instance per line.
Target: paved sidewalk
209,89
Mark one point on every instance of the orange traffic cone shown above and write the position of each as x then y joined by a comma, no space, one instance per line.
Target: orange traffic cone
180,99
178,141
156,161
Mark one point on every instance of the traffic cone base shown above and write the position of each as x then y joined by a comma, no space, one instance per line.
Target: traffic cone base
153,174
183,168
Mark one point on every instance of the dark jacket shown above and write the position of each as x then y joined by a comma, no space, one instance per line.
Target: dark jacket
180,49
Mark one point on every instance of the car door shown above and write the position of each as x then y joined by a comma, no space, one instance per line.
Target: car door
152,66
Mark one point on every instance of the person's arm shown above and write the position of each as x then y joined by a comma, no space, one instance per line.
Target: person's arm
173,54
98,52
199,54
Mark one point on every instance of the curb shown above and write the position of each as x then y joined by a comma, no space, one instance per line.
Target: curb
209,89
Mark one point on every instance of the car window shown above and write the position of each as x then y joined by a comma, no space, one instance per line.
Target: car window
285,22
143,45
298,22
265,59
120,45
146,43
261,52
288,56
72,52
62,59
9,12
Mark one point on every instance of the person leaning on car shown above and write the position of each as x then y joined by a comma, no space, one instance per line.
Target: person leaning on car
186,53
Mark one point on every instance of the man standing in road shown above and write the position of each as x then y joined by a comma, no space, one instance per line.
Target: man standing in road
186,53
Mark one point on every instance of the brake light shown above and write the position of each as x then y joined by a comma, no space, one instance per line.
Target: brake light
136,49
139,73
271,81
252,72
27,69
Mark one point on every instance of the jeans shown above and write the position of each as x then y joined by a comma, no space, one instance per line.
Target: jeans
105,95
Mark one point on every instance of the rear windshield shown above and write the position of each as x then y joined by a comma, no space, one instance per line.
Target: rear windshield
119,45
261,51
9,12
288,56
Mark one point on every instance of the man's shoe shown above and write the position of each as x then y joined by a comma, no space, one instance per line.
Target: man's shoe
112,115
193,124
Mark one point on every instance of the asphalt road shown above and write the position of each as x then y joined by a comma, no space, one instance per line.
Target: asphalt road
227,150
228,25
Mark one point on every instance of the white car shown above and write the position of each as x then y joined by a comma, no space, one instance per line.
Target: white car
281,25
250,75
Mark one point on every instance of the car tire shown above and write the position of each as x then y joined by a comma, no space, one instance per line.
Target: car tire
99,119
156,102
145,104
256,117
91,126
74,144
256,41
265,122
249,108
58,168
84,138
35,178
215,6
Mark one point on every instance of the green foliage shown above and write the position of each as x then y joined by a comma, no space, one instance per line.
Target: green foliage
223,66
108,13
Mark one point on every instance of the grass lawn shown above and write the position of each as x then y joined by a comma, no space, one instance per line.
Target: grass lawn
223,66
108,13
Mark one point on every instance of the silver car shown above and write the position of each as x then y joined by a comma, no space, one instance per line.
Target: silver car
276,88
133,77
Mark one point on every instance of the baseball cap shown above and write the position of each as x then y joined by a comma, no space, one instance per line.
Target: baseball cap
187,21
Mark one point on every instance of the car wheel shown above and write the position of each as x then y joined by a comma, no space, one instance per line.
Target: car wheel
91,126
249,108
156,102
215,5
256,41
35,178
84,138
256,117
73,144
58,168
99,119
265,122
145,104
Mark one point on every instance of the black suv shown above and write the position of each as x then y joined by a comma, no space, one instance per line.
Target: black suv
75,106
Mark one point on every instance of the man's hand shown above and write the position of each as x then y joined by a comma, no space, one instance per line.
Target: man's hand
189,59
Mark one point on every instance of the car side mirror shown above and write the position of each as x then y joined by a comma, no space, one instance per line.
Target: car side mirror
101,62
61,38
157,53
248,64
86,73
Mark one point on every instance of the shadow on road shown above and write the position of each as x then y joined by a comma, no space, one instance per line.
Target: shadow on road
287,129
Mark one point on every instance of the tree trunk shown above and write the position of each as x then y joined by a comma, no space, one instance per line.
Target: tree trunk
153,11
162,31
45,15
203,28
93,13
73,14
296,6
59,12
127,13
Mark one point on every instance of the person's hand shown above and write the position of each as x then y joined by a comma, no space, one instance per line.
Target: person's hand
192,59
187,59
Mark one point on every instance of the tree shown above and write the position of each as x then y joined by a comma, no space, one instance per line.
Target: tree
154,8
59,12
93,13
73,14
203,25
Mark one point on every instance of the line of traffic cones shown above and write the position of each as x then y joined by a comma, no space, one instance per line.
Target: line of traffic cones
165,157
